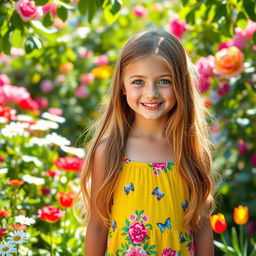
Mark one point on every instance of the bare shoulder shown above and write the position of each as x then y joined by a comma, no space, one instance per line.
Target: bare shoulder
99,155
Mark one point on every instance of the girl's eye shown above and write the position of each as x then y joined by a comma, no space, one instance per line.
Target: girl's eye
139,82
164,81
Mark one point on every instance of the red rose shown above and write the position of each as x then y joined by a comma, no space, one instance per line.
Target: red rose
50,214
69,163
137,232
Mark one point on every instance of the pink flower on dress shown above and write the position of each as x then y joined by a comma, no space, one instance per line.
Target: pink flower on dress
191,232
191,248
144,218
159,166
156,171
136,251
169,252
137,232
132,217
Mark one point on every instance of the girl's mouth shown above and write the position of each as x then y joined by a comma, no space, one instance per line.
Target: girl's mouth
151,106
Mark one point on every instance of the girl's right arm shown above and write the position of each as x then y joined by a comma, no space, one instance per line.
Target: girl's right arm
96,233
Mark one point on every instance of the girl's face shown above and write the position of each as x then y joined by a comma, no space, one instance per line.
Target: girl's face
148,87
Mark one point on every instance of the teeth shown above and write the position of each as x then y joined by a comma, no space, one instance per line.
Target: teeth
151,105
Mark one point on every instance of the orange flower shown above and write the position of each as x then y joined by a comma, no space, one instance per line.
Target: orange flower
15,182
218,223
102,72
228,62
207,102
17,227
4,213
66,67
241,215
66,199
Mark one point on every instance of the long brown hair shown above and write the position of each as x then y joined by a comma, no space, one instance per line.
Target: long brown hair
187,128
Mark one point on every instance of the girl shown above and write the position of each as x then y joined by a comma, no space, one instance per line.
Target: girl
149,161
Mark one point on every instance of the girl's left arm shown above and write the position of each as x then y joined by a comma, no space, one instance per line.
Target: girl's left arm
204,239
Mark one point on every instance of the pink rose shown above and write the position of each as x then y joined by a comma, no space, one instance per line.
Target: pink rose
159,166
137,232
205,65
136,251
169,252
50,7
242,147
46,86
81,92
204,83
226,44
42,102
224,86
132,217
144,218
87,78
84,53
55,111
139,11
4,79
28,10
177,27
102,60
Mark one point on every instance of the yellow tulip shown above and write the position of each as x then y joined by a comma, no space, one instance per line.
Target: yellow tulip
241,215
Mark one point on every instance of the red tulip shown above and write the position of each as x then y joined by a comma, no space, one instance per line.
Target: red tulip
66,199
218,223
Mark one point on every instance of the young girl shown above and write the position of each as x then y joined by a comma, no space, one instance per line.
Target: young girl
149,161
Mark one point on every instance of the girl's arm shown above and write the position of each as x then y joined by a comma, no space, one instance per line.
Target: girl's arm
204,239
96,233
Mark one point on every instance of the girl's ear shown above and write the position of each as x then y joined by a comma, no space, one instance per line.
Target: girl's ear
123,91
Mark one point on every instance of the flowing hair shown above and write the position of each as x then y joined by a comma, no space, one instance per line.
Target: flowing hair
187,129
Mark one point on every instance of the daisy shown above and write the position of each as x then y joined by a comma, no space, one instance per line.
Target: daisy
33,180
24,251
39,141
56,139
35,160
14,129
58,119
79,152
44,125
3,171
17,237
24,220
7,248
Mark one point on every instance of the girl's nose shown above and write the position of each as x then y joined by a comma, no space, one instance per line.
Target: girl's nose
151,91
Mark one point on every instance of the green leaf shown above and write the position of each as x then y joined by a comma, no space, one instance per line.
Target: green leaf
62,13
83,6
16,20
235,241
249,7
47,20
17,38
222,247
254,38
40,28
220,11
241,20
92,10
245,247
116,6
6,45
32,43
184,2
41,2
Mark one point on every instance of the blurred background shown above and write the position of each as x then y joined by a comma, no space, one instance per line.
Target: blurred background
56,63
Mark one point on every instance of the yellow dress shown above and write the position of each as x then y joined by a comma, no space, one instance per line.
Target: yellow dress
148,207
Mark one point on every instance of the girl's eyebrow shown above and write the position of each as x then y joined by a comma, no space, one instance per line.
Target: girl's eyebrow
145,76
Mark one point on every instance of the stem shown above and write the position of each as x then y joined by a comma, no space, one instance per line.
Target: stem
52,252
65,226
241,237
223,240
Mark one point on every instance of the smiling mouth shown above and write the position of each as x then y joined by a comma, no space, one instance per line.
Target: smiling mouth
151,106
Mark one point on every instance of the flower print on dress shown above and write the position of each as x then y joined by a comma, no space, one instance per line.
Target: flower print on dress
136,251
184,205
170,252
136,230
113,225
159,194
128,188
159,167
165,225
126,160
187,238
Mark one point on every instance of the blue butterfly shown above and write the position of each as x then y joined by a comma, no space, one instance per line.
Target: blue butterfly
184,205
158,193
128,188
182,239
114,225
166,225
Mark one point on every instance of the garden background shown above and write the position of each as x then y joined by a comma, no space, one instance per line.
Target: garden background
56,62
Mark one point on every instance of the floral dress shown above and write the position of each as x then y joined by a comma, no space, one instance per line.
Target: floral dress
148,207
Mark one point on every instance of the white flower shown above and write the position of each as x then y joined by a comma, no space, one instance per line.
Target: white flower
7,248
33,180
3,171
79,152
24,118
24,220
44,125
3,120
39,141
14,129
33,159
56,139
17,237
58,119
24,251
